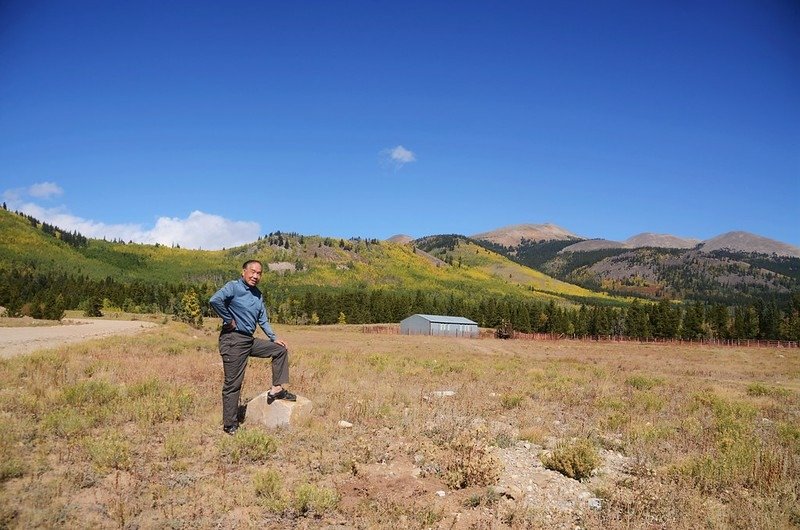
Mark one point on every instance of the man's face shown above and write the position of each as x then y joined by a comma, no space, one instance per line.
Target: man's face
252,274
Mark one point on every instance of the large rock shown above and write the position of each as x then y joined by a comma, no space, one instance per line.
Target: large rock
281,413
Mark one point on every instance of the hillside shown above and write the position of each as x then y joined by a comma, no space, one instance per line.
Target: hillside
464,253
719,276
732,268
22,245
293,261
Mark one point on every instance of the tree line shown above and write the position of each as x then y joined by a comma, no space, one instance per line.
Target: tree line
25,291
640,319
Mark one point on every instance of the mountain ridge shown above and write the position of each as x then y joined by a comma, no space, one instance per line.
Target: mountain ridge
737,241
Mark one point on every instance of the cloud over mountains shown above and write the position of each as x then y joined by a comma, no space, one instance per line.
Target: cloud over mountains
200,230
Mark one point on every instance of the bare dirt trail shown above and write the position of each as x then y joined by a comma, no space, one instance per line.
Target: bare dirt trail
21,340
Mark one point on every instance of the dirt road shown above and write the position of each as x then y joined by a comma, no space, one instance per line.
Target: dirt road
19,340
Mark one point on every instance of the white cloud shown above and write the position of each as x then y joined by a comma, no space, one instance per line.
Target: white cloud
203,230
198,230
398,156
45,190
61,218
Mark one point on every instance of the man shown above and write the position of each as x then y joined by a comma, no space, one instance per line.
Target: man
241,306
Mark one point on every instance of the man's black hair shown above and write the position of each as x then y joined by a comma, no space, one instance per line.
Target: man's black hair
248,262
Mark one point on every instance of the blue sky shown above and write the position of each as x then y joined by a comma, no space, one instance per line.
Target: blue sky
209,123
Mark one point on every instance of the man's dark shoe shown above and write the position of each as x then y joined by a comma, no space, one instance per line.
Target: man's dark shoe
231,429
283,394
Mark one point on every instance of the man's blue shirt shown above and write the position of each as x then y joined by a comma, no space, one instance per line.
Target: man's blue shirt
243,304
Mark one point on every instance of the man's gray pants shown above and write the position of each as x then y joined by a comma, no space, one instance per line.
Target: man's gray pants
235,348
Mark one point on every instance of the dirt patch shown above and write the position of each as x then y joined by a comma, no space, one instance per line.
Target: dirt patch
26,339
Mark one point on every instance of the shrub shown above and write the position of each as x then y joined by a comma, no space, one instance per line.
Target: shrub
11,468
489,498
469,463
268,488
643,382
511,401
110,451
67,422
309,498
789,434
576,459
378,361
248,445
760,389
176,445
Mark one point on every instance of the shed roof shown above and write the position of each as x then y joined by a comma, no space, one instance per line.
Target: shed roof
441,319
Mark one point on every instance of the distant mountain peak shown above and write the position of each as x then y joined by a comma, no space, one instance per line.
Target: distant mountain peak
594,244
739,241
400,238
512,235
649,239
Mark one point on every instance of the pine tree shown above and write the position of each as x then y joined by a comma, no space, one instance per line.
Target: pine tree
718,320
55,309
693,321
94,306
637,321
189,309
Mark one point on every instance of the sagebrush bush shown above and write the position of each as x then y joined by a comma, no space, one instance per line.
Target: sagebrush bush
511,401
176,445
760,389
268,487
109,451
309,498
469,463
643,382
67,422
11,467
248,445
575,459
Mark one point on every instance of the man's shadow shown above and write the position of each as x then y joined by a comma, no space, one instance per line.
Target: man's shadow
241,413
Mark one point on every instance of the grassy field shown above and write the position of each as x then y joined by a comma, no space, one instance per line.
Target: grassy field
125,432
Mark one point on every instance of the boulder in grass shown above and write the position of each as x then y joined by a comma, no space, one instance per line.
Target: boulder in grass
280,413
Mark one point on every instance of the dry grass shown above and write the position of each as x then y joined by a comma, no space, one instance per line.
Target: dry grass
125,432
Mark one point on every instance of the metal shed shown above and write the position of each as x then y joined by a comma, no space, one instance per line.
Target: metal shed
439,325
